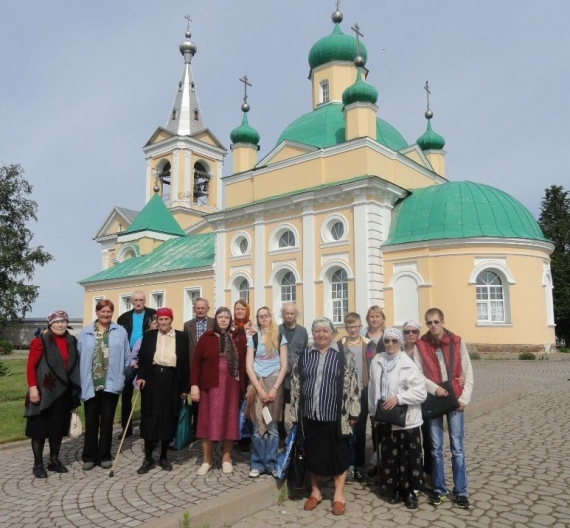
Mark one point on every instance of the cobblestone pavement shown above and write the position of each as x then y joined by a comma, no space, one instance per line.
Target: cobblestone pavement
517,466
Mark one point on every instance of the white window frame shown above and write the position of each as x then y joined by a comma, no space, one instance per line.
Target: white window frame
324,91
190,295
326,231
153,298
276,237
125,303
95,301
235,245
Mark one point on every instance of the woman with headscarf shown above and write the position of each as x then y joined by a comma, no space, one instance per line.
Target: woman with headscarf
162,378
217,369
325,398
396,380
54,389
105,359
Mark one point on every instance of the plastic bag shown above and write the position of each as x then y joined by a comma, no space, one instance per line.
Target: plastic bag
75,426
184,434
284,457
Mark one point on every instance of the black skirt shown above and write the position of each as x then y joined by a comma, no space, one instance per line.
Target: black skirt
326,454
162,422
53,422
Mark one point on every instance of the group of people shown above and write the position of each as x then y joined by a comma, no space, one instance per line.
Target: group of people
228,362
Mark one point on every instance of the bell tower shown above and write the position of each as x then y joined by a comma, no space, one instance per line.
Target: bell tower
184,158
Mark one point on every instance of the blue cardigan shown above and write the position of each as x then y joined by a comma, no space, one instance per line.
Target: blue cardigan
119,359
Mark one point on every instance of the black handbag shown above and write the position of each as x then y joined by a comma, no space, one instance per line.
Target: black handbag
297,472
436,406
395,416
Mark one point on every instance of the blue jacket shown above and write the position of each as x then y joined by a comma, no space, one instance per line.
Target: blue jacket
119,359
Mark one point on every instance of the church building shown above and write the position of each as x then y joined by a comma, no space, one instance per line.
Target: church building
341,214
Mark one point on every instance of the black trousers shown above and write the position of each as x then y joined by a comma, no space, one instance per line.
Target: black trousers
127,404
99,415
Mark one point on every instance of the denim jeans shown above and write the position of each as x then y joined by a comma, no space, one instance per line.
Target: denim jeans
264,448
455,424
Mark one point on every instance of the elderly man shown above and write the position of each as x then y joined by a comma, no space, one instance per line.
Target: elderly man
195,328
443,357
297,340
136,322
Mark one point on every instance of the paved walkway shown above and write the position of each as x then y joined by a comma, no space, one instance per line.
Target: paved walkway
517,465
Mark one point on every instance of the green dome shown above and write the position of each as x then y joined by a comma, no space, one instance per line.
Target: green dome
460,210
360,91
336,47
245,133
430,140
324,127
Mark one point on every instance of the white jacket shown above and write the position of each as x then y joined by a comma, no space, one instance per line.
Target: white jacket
405,382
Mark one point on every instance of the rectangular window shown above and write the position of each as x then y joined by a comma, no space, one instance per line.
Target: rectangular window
157,299
325,92
190,295
125,303
339,300
95,301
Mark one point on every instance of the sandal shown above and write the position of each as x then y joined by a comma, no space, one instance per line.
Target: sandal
312,503
338,508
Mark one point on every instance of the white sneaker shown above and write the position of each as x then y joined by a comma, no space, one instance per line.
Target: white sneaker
227,467
203,469
254,473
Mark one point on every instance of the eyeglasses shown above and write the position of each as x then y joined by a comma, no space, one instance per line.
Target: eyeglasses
391,341
354,327
434,322
411,331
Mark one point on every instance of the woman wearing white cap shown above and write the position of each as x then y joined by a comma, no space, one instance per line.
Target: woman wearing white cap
54,388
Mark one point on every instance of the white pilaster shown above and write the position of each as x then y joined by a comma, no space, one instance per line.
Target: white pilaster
259,263
308,278
220,187
174,179
187,177
220,261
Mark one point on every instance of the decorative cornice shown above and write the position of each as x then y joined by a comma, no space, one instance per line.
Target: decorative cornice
475,241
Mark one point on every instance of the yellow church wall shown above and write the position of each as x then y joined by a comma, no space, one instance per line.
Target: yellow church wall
339,76
244,158
173,289
287,152
447,269
360,122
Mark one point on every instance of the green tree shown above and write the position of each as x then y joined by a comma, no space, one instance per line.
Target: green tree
555,223
17,259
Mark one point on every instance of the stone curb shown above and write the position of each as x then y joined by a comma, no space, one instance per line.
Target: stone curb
245,502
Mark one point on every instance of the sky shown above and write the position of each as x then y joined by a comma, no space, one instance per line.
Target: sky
84,85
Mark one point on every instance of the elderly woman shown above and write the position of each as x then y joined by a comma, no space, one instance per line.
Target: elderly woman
266,366
396,380
163,379
326,398
216,378
105,358
54,389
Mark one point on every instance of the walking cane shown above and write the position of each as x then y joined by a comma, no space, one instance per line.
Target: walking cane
375,441
112,472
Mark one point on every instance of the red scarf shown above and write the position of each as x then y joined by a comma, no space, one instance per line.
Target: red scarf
428,344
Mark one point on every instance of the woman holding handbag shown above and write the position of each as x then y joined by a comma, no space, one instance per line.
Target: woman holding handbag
54,389
163,379
395,380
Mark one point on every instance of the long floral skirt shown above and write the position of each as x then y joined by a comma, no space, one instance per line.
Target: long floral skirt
401,461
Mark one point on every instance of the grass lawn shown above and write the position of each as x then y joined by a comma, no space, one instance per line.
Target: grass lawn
13,390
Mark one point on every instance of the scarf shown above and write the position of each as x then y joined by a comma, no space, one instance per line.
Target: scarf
229,350
388,363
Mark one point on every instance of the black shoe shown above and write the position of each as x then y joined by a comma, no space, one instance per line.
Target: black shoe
410,500
146,467
39,471
373,472
360,475
57,466
165,464
244,445
462,502
394,498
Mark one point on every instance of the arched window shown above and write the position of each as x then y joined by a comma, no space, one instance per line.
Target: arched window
164,177
287,239
490,298
288,288
339,295
243,290
201,184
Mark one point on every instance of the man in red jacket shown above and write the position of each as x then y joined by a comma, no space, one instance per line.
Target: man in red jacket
443,357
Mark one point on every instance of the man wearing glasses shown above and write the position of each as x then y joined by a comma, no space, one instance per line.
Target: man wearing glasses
443,357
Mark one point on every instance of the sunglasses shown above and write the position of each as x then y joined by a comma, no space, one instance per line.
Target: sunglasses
411,331
391,341
434,322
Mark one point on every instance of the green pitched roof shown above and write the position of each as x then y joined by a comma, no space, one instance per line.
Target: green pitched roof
244,133
324,127
460,210
155,216
188,252
335,47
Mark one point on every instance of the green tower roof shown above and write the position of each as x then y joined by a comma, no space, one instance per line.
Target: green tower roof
429,140
245,133
360,91
155,216
335,47
460,210
324,127
188,252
